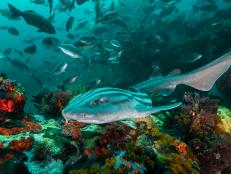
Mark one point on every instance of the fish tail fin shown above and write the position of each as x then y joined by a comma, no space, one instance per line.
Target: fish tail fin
15,12
72,5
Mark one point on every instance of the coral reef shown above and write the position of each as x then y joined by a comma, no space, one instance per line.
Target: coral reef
204,127
22,144
12,98
192,139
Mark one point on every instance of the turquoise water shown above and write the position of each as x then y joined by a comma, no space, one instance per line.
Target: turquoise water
161,57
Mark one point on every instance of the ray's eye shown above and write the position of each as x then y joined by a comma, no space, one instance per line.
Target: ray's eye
99,101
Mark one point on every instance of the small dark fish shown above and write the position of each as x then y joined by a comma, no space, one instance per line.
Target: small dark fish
98,11
80,2
18,64
69,23
70,5
50,41
109,16
205,6
71,36
7,51
6,13
13,31
119,23
34,19
32,49
51,18
38,2
168,11
50,2
20,53
81,25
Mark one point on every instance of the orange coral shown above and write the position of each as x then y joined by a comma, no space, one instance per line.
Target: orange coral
181,147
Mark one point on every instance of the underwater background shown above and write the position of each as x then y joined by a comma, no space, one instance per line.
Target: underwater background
165,63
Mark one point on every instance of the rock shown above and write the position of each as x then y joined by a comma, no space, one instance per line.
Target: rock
11,167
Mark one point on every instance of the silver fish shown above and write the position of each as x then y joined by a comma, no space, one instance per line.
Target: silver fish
104,105
70,50
69,4
70,80
201,79
60,68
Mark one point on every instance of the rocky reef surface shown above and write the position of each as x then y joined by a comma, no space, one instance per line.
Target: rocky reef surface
192,139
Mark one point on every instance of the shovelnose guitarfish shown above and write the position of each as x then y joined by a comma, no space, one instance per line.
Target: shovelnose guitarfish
104,105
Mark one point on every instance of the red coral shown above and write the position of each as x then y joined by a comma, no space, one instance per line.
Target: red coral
7,105
72,128
29,127
22,144
12,97
5,131
115,138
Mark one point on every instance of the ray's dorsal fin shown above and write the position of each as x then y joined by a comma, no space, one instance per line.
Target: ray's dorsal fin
174,72
156,73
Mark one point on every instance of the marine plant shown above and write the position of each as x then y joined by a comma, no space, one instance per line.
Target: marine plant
50,103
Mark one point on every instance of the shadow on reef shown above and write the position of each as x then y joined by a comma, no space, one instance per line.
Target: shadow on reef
192,139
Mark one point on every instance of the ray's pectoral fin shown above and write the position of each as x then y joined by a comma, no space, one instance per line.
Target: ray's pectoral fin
152,110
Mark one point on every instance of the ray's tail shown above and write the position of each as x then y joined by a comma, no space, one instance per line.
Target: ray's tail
204,78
